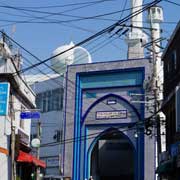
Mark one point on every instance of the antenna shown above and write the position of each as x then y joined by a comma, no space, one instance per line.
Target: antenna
13,30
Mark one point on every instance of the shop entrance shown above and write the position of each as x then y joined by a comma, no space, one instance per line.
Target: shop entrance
112,157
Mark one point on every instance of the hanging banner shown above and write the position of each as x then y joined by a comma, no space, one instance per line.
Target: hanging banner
4,98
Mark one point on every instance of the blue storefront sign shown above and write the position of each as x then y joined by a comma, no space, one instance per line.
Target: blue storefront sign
4,98
30,115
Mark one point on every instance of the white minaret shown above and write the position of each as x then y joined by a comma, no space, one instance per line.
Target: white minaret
136,36
155,17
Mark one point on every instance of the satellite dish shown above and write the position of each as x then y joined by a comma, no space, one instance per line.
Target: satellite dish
77,55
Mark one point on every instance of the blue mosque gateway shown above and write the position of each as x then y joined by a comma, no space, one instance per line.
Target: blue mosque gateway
100,122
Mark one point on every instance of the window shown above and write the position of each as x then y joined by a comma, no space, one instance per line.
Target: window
177,111
90,95
50,100
44,107
39,101
58,135
153,11
174,60
168,67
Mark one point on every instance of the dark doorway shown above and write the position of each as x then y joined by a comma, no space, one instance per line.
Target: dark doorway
112,157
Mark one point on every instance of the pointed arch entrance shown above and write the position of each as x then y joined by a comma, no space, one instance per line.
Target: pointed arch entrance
112,156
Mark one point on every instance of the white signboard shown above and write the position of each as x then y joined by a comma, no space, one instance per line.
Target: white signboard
119,114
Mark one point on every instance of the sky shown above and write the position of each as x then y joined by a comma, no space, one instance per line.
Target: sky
41,29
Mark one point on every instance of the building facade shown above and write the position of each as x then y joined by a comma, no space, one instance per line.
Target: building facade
104,122
170,161
49,100
16,97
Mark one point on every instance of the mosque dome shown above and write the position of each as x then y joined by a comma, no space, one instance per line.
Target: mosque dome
77,55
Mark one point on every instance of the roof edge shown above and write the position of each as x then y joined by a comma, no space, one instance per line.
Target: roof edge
171,39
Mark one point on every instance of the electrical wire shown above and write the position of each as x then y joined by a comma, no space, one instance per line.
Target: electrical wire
93,36
130,127
49,13
68,79
171,2
83,56
67,21
89,136
68,25
64,5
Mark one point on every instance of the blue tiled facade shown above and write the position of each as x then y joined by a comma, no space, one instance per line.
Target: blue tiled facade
90,90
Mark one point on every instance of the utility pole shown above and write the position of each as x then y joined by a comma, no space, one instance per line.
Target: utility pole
155,18
156,95
13,135
38,149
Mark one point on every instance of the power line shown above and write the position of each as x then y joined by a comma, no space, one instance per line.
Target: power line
78,57
34,57
39,59
54,79
43,17
93,36
89,136
50,67
61,13
134,126
46,12
171,2
57,82
102,45
64,5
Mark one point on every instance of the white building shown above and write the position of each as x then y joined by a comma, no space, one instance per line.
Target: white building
49,99
15,96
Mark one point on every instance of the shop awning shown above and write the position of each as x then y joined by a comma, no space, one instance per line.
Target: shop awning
38,162
28,158
165,167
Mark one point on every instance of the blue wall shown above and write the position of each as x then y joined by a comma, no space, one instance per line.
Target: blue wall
104,80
